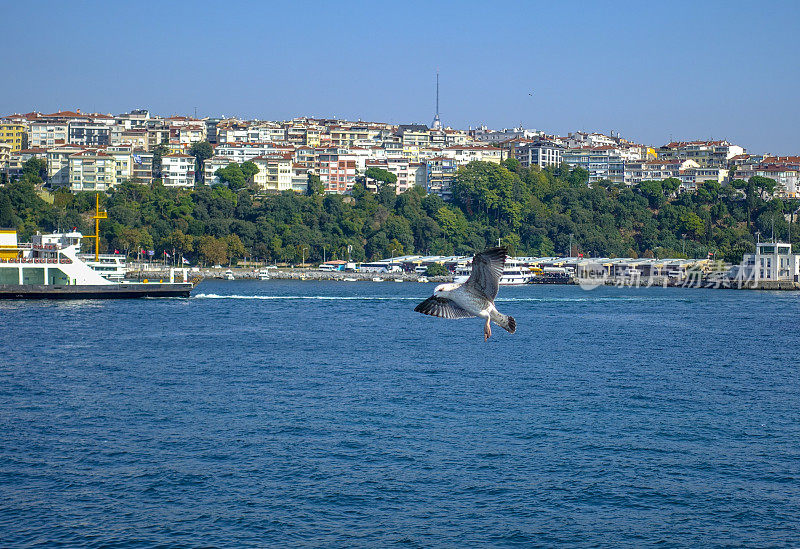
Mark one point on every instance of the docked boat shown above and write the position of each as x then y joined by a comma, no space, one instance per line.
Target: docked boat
52,267
263,274
514,273
228,275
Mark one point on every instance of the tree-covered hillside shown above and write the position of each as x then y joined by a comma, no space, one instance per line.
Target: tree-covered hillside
534,211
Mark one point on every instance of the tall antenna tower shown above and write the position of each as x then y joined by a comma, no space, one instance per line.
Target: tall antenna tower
437,123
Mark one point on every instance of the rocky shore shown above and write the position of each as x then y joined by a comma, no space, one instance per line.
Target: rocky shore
244,273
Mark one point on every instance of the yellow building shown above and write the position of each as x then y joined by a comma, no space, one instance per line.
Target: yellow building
12,133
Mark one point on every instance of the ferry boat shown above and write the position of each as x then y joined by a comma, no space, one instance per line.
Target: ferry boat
514,273
52,267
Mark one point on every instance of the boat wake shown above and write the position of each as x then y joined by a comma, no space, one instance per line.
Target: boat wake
420,297
311,297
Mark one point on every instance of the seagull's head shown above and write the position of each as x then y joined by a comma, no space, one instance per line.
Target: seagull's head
443,289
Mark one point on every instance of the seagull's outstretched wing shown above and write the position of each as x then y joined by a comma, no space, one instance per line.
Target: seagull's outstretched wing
442,307
487,268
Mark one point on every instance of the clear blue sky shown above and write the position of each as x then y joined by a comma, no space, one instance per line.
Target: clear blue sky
651,70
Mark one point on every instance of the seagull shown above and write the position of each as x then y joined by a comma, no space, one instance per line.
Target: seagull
475,297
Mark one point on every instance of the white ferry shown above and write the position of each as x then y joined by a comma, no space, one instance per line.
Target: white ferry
110,266
514,273
52,267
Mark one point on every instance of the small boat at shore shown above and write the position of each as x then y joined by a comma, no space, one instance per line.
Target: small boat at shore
514,273
263,274
228,275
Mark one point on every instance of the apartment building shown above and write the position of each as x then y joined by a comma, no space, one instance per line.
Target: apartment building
177,170
487,135
92,170
142,166
136,137
300,178
440,173
210,167
337,169
242,152
414,134
538,153
274,172
5,157
710,154
13,134
48,134
58,164
464,154
17,158
786,175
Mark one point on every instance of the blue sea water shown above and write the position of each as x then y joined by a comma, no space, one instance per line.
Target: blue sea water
330,414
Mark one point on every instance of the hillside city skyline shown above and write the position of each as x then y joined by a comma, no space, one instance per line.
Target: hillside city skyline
95,151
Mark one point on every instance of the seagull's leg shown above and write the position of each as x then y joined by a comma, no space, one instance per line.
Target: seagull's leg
487,329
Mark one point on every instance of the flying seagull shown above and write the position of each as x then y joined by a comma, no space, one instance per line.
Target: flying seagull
475,297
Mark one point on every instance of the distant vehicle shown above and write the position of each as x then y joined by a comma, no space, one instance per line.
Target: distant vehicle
421,269
328,267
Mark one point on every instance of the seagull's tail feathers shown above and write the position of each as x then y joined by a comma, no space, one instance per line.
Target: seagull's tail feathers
506,322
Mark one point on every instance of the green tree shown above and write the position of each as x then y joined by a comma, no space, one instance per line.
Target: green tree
232,176
234,246
201,151
213,251
6,211
379,174
436,269
314,186
249,170
35,169
159,152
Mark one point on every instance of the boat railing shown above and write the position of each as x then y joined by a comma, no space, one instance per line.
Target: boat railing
63,260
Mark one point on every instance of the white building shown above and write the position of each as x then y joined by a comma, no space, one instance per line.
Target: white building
772,261
482,133
274,172
538,153
177,170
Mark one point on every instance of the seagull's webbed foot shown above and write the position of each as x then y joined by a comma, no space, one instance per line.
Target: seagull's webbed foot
487,332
